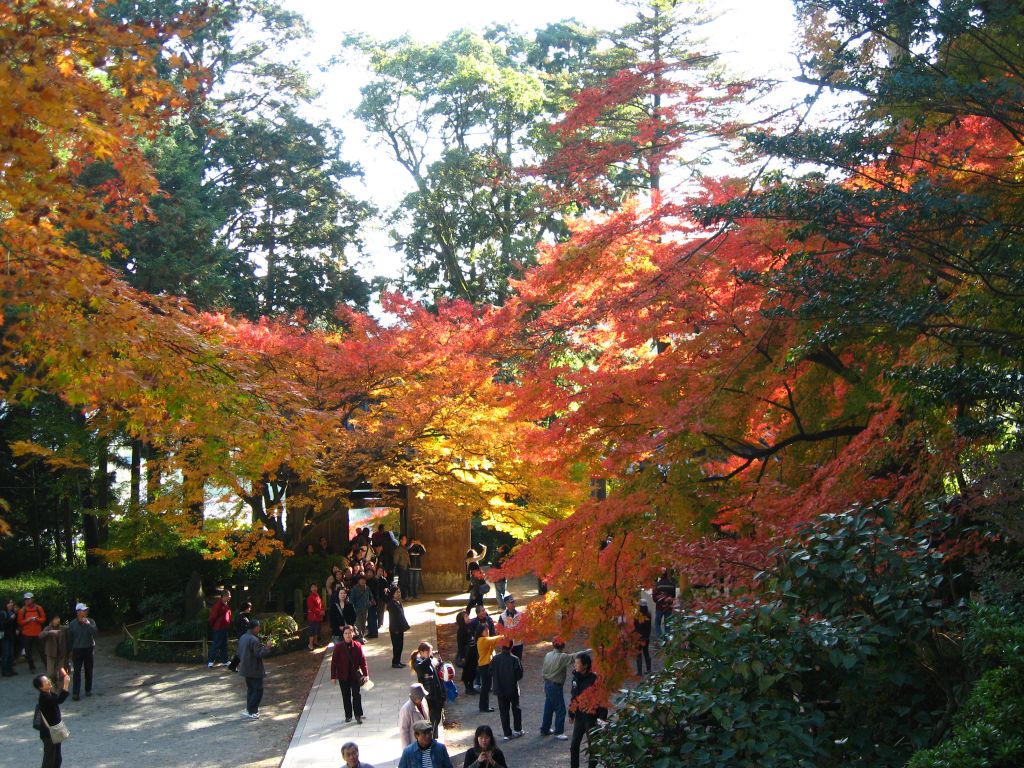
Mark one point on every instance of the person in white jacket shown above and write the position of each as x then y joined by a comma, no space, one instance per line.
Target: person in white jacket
414,710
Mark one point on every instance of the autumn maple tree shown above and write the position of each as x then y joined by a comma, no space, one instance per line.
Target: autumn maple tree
741,358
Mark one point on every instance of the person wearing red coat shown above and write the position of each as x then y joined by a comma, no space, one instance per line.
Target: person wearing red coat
348,667
220,620
314,615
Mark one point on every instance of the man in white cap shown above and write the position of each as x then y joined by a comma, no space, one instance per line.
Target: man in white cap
82,634
510,619
414,710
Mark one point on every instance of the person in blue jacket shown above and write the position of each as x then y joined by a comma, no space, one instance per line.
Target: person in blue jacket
425,747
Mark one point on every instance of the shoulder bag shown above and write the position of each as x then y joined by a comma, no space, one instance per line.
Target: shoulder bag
58,732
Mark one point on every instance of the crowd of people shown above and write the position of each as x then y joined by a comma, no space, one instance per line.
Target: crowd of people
27,632
365,589
363,593
489,650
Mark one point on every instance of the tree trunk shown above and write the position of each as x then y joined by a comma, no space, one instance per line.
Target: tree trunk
69,538
34,530
135,485
195,489
96,497
153,473
270,571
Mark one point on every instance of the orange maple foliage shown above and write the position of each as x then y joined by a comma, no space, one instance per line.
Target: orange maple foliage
661,357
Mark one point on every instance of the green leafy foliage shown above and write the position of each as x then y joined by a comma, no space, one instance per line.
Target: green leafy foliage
116,593
181,642
843,660
987,733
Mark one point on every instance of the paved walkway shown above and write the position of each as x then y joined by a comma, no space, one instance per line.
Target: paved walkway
322,729
155,715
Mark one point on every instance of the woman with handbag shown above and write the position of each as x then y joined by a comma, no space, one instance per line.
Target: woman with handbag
348,667
52,730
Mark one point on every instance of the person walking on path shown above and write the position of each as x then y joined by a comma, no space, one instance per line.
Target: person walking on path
424,751
484,753
350,754
360,598
414,710
8,636
470,657
461,636
473,559
664,602
220,622
398,625
49,710
427,666
583,717
82,639
348,667
506,672
314,615
55,645
642,630
251,651
416,553
474,632
402,562
485,645
242,624
501,585
379,585
554,669
509,620
478,587
31,620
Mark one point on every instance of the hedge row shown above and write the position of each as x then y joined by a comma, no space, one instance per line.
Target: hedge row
114,593
279,627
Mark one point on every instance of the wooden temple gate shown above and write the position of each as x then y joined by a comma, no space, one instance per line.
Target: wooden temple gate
443,529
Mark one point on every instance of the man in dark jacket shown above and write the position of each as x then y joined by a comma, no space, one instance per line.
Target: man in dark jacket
251,651
8,635
506,672
583,716
242,623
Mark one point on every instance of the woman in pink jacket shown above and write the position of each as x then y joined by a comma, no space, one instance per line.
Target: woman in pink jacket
348,667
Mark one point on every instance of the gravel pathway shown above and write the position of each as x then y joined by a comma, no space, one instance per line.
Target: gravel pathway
144,715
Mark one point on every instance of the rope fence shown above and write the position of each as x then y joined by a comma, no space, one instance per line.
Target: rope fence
134,642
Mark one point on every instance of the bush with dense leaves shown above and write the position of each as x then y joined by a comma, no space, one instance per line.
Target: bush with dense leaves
116,593
182,641
301,571
844,659
987,732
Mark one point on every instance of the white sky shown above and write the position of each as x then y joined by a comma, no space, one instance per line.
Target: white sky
754,37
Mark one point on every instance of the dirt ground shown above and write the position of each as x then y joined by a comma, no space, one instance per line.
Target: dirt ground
147,715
